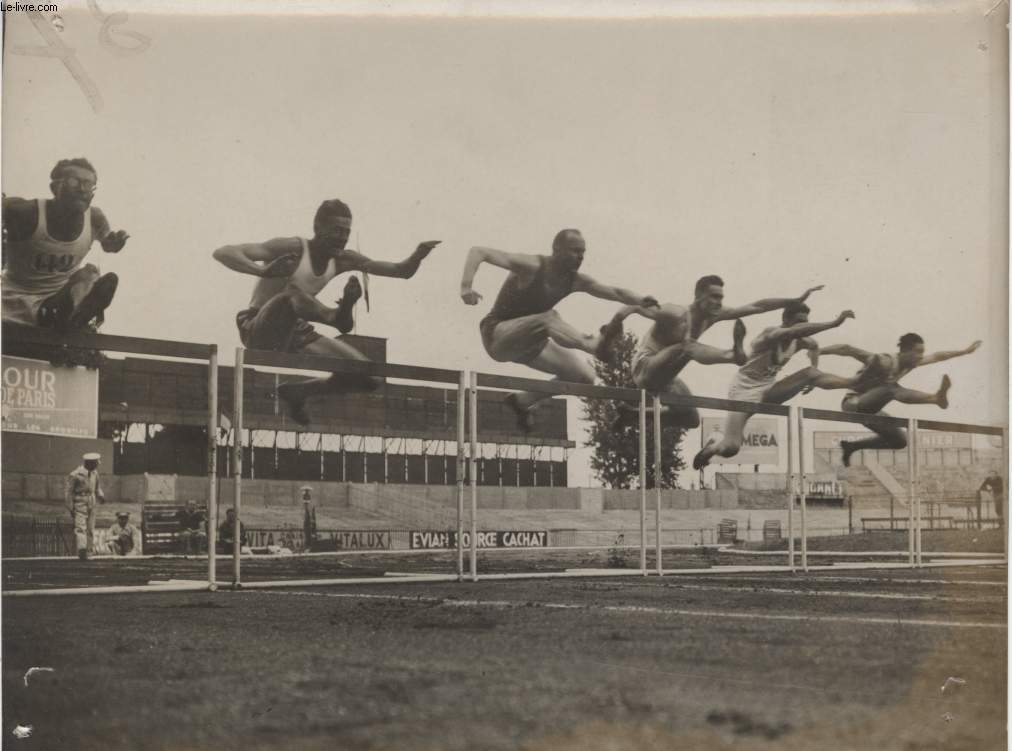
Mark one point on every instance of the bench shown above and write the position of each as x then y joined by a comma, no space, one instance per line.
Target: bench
160,528
727,532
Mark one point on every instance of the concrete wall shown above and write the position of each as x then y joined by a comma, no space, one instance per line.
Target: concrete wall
387,498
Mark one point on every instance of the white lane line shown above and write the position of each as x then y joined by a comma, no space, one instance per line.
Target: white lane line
835,593
508,604
873,580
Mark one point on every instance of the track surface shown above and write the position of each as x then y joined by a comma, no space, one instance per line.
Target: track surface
848,660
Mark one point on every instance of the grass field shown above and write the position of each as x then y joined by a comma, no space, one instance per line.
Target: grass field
824,660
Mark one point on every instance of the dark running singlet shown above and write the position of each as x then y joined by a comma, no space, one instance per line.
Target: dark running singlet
526,295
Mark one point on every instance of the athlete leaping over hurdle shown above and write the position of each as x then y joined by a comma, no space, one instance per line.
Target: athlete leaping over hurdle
293,271
523,326
672,342
756,380
877,384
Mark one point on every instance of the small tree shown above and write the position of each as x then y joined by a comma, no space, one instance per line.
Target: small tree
614,430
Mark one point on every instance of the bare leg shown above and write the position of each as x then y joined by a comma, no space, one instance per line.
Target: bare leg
885,438
542,341
803,381
657,370
295,393
309,308
729,445
890,438
561,363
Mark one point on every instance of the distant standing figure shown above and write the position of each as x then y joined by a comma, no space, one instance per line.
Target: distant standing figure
83,492
994,485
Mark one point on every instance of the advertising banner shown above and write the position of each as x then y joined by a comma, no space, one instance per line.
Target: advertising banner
440,540
40,398
760,445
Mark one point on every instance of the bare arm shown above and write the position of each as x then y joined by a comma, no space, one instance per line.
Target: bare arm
628,310
813,350
19,217
845,350
274,258
948,355
763,306
519,263
111,242
350,260
595,288
802,330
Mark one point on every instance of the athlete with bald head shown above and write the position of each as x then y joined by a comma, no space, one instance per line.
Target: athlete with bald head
523,326
292,272
877,384
672,342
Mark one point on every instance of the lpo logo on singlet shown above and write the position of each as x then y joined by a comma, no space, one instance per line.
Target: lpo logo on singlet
38,398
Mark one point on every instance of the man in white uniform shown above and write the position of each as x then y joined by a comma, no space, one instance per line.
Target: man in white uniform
292,271
46,241
756,380
83,492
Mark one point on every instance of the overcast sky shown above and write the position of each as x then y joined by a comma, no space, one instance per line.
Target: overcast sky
865,153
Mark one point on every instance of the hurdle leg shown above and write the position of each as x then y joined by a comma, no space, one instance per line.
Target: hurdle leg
801,489
658,463
912,493
473,463
237,395
461,408
212,466
1003,522
915,474
643,482
792,422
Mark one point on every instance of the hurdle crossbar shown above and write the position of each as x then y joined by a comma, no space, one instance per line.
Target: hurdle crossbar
293,361
21,334
558,388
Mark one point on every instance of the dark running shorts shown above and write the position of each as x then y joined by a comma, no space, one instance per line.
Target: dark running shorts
257,331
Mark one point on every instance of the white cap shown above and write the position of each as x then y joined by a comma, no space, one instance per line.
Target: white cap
92,457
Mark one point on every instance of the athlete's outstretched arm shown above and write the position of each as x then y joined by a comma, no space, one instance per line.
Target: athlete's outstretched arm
595,288
398,270
802,330
628,310
275,258
520,263
846,350
948,355
764,306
